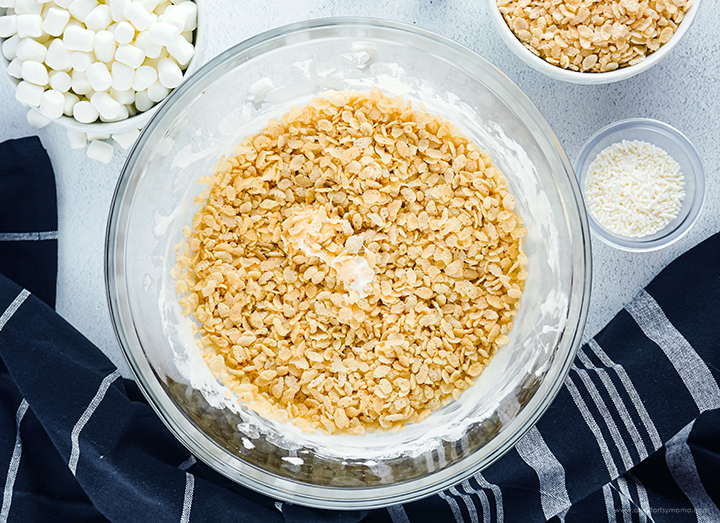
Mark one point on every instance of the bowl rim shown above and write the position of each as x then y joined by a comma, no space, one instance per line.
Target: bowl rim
661,128
137,121
576,77
332,497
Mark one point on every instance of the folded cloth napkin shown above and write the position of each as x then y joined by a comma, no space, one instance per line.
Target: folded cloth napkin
634,434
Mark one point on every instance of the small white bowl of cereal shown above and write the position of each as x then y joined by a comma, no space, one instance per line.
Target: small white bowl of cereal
590,42
316,255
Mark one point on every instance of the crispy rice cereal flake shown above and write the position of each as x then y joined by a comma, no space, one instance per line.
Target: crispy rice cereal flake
593,35
398,190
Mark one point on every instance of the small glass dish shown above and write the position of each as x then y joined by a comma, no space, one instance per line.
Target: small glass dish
679,148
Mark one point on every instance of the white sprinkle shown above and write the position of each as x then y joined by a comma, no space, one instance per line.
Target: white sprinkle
634,189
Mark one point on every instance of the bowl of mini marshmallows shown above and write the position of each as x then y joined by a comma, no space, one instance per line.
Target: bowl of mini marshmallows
590,41
643,184
97,67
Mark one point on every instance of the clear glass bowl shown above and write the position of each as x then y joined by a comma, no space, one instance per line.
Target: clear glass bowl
679,148
202,120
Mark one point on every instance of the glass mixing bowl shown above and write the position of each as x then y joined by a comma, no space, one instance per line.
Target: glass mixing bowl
234,95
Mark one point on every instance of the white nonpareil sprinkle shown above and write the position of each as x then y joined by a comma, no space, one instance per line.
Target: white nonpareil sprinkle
634,189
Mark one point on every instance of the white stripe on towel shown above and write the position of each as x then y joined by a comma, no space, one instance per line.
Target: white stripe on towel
681,464
534,451
631,391
398,514
606,417
13,307
499,507
28,236
619,404
469,503
454,507
14,464
594,428
89,411
187,463
689,365
188,498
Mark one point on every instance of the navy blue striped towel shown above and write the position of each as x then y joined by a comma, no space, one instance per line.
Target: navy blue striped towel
634,435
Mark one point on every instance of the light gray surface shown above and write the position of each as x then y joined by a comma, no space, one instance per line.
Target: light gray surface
681,91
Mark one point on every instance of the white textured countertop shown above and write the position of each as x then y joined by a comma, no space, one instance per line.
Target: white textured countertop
681,91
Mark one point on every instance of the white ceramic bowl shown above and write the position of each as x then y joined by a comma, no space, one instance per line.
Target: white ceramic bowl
566,75
140,119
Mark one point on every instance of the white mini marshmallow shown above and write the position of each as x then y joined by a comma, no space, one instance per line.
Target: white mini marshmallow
29,26
97,136
163,34
35,73
9,47
143,41
149,5
157,92
106,106
126,139
29,94
169,73
70,100
160,9
78,39
80,9
130,55
35,119
181,50
138,16
10,4
122,75
76,139
55,21
132,111
100,151
99,18
8,25
63,3
58,56
191,11
99,77
142,101
80,83
124,32
176,16
52,104
117,9
85,112
14,68
27,7
105,46
81,61
60,81
29,49
126,97
122,115
145,76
